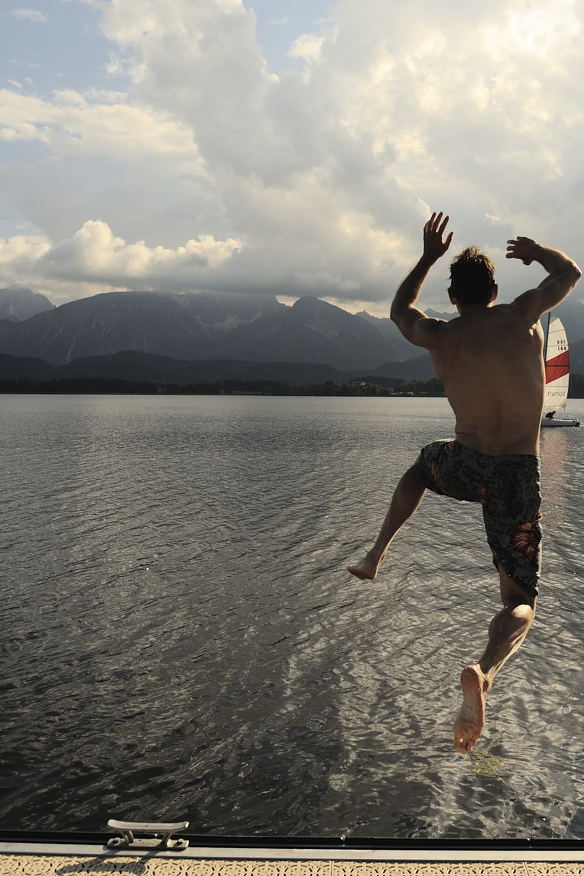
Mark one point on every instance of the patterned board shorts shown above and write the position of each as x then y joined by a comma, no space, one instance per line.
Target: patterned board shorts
508,489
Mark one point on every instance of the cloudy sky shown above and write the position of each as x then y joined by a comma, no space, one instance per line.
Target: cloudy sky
288,147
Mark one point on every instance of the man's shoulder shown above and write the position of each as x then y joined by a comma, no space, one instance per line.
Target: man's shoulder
492,321
503,311
504,308
516,312
445,324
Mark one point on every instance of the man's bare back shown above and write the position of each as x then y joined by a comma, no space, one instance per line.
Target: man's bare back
491,364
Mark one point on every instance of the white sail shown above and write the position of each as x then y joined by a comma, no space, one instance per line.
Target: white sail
557,367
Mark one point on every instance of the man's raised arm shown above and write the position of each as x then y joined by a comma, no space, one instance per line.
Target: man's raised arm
413,323
563,272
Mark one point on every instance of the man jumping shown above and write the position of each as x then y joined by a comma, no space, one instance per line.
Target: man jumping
490,360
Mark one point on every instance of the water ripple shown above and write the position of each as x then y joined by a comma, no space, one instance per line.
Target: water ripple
180,638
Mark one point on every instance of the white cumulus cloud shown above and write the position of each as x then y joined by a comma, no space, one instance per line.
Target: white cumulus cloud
306,46
323,176
30,15
93,254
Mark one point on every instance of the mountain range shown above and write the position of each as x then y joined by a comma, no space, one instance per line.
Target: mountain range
224,336
203,326
17,303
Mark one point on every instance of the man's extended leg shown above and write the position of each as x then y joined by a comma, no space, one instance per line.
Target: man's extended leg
507,631
406,499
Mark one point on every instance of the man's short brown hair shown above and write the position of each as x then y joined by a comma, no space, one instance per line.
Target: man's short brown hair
472,277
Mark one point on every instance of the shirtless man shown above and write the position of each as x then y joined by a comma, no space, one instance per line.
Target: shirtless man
491,364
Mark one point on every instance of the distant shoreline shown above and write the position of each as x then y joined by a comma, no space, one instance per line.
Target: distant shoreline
99,386
366,387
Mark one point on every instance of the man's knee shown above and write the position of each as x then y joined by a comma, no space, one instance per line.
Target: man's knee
512,595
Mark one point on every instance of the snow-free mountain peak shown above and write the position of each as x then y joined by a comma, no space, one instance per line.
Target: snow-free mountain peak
18,303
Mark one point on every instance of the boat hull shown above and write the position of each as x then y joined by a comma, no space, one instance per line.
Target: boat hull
548,423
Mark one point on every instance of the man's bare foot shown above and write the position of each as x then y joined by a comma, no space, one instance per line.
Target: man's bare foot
471,718
366,568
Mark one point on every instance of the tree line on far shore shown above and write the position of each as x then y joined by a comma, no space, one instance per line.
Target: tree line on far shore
110,386
371,387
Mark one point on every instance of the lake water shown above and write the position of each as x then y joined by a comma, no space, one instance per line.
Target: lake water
180,638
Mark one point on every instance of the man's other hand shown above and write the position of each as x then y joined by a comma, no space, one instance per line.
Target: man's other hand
434,246
523,248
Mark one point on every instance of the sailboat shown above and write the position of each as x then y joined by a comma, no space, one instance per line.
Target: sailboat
557,373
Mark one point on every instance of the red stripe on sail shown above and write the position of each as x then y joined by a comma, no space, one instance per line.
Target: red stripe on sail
557,367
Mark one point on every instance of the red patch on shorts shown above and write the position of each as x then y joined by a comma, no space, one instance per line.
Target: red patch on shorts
526,539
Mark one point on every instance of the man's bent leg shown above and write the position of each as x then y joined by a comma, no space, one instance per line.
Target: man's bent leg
507,631
509,628
406,498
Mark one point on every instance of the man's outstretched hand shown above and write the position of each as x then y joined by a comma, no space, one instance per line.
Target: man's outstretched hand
523,248
434,246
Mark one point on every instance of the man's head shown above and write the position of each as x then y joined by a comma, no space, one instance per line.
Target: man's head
472,279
